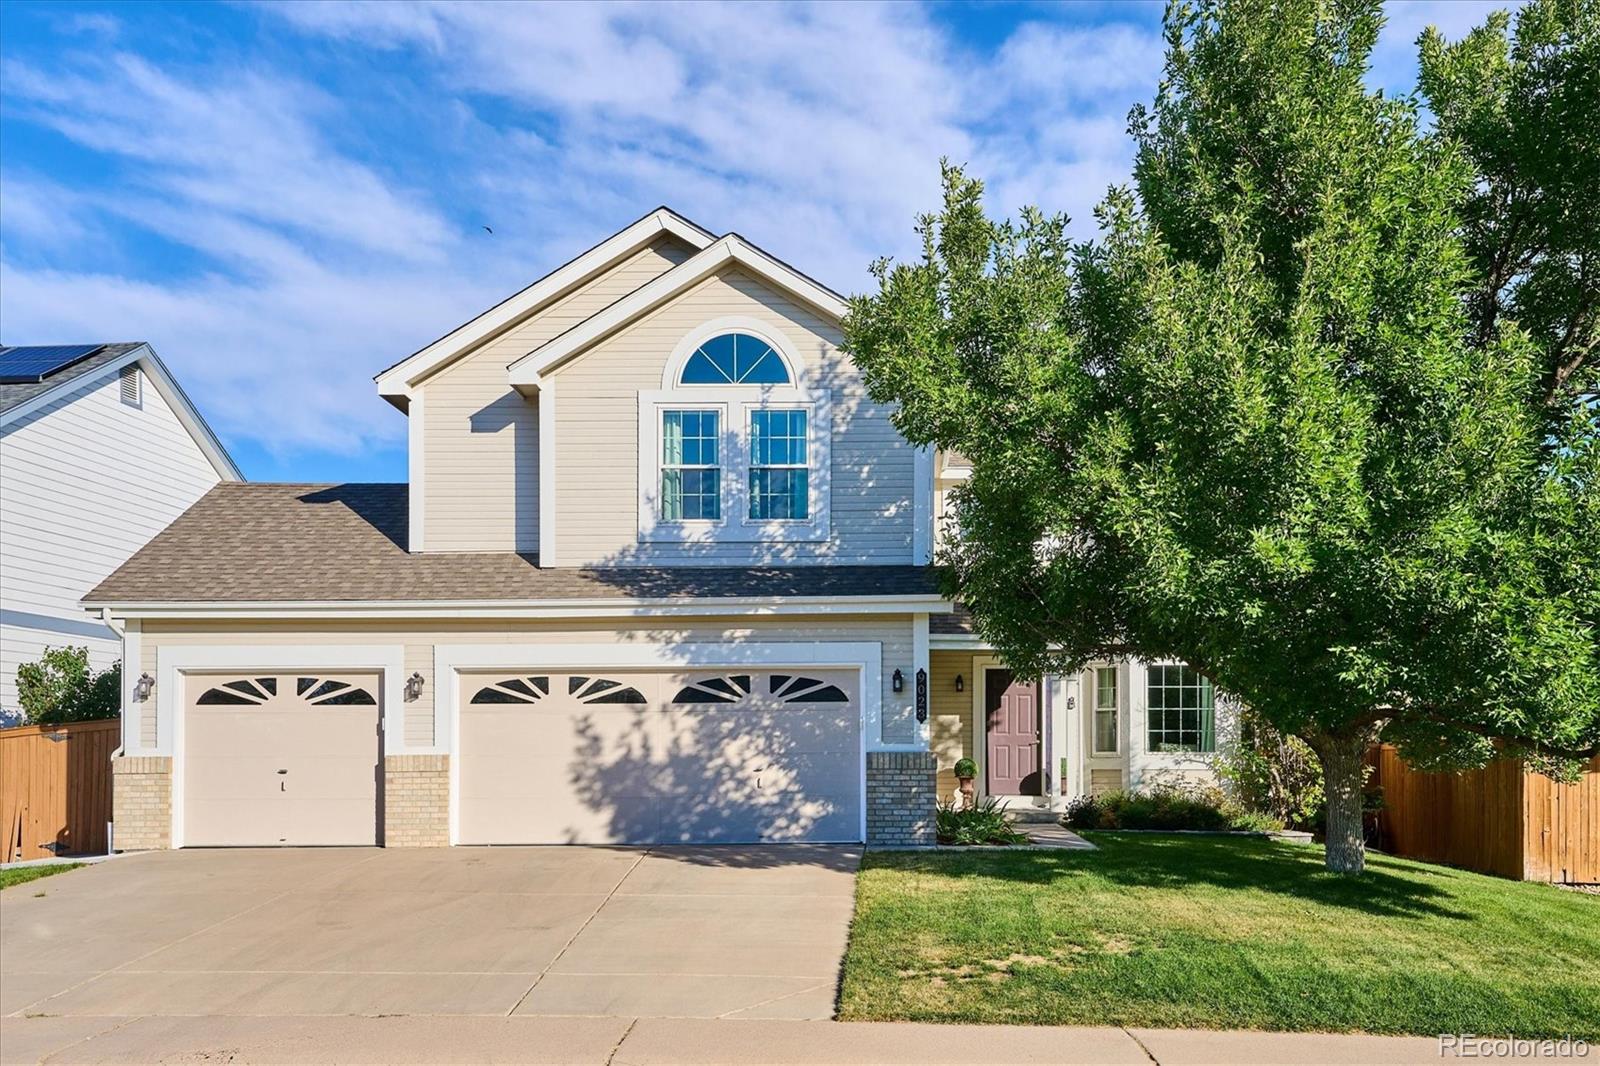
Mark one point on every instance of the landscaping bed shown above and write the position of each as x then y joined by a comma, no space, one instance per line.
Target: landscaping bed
1217,932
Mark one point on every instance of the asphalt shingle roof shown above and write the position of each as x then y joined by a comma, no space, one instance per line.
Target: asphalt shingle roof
13,395
264,542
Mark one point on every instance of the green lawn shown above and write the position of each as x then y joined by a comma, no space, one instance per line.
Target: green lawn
21,875
1217,932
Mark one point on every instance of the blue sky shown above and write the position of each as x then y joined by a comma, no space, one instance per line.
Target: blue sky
285,199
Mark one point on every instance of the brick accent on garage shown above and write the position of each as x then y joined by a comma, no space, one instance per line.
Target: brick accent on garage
901,798
416,801
141,802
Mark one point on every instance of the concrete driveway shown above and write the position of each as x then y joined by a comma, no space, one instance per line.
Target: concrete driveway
714,932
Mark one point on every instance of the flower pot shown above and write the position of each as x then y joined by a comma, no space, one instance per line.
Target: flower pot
968,796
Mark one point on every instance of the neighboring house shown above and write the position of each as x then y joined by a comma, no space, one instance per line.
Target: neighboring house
99,451
661,573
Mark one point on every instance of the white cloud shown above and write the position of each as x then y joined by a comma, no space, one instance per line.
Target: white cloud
317,252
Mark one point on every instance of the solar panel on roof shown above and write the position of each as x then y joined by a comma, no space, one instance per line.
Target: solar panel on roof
30,364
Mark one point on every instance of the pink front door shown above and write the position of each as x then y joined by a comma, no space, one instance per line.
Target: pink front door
1011,732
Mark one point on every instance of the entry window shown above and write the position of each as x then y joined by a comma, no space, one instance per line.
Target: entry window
1181,710
1105,710
691,470
779,481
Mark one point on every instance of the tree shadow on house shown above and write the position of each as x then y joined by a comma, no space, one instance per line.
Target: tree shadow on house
764,786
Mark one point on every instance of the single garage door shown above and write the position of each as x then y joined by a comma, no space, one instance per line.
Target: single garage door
275,759
610,757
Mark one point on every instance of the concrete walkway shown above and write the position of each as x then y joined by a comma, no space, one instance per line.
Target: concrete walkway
635,1042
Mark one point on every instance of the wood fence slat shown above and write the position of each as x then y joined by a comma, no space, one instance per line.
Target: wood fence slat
55,789
1500,819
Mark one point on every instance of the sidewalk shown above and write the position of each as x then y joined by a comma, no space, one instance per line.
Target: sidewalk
635,1042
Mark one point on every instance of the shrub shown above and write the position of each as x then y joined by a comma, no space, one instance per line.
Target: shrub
966,768
1272,772
62,687
1166,807
985,823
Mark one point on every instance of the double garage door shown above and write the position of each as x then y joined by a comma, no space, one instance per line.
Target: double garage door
600,757
543,757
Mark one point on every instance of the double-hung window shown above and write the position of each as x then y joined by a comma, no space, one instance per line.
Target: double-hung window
1182,710
780,488
691,472
734,447
1105,710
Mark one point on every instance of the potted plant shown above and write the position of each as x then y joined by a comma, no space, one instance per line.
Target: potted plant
966,771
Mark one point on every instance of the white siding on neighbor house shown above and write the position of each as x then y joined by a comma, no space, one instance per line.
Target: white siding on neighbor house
418,639
597,440
85,481
480,450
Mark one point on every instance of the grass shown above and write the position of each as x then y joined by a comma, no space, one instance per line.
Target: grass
21,875
1218,933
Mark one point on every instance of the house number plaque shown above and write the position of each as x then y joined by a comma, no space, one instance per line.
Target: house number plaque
922,695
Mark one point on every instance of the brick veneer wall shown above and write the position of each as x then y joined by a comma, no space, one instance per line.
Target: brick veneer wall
141,802
902,795
416,801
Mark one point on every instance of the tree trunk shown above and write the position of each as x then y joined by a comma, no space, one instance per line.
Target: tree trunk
1343,775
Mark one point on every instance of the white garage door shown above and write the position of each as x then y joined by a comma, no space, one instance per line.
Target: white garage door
276,759
612,757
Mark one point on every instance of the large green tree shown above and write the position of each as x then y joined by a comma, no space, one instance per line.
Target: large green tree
1256,425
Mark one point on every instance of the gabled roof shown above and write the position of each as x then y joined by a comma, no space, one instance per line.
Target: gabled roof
322,546
527,372
394,384
15,394
17,401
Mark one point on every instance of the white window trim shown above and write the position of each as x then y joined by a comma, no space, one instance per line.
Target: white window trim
863,656
1119,709
716,327
734,404
1169,759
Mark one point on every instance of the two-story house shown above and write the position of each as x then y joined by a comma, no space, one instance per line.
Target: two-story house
99,450
661,573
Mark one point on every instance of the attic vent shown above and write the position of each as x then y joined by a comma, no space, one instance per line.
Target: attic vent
130,385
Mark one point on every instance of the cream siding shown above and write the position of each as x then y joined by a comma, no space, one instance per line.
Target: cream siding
597,435
85,481
949,714
480,437
894,633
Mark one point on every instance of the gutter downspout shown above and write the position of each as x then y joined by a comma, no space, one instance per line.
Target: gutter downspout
122,635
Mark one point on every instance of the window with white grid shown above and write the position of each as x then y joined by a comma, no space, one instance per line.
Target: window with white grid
1181,710
1105,710
779,478
691,473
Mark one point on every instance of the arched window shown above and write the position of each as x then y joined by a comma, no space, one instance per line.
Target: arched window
734,359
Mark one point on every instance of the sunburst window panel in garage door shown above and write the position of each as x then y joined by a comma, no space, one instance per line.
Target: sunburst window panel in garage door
275,759
635,757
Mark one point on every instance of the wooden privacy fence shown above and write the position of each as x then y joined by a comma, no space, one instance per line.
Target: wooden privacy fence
55,789
1499,820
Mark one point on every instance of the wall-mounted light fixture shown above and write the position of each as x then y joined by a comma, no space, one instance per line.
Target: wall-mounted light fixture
961,683
143,687
899,681
413,686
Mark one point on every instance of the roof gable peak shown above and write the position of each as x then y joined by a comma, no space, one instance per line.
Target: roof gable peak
394,384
